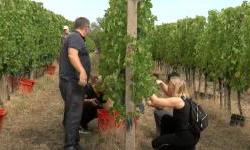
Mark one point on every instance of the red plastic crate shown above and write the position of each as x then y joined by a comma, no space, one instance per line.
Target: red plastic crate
51,69
107,120
3,113
104,119
26,85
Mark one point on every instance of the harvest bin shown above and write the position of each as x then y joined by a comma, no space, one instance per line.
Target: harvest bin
107,120
3,112
26,85
237,119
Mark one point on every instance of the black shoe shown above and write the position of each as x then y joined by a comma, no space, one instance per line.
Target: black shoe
84,131
77,147
70,148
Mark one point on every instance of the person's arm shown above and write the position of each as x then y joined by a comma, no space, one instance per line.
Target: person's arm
163,86
75,61
172,102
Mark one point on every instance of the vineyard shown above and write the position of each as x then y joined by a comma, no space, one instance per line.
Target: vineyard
129,51
30,36
216,48
29,39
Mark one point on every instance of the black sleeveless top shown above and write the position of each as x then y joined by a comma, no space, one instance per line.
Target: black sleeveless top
181,117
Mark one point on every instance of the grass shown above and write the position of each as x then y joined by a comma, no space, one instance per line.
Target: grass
34,123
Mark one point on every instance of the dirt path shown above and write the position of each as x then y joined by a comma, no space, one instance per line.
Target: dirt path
34,123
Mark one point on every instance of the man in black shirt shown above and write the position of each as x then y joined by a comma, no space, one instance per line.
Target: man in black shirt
74,72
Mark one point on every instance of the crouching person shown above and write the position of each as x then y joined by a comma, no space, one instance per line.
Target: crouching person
159,112
175,132
93,101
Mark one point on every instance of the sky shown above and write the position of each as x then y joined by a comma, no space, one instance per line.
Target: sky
165,10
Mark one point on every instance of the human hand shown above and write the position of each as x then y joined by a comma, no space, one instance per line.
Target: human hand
149,103
151,100
159,82
153,97
82,78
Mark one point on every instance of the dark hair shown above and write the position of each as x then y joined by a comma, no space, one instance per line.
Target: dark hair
172,74
81,22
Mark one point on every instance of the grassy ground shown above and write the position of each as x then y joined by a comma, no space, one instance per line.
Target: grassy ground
34,123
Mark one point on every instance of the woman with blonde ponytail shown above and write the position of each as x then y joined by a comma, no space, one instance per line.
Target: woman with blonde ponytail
174,129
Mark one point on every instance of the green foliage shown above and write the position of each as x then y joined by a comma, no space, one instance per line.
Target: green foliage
97,34
209,47
112,64
219,47
188,34
241,76
29,36
142,65
224,50
163,45
175,43
90,44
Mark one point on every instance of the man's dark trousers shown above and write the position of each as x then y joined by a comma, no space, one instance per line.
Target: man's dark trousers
73,96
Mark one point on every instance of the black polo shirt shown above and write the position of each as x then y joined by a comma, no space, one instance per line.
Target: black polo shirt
66,69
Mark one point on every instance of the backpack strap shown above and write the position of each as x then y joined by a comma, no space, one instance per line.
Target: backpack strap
188,101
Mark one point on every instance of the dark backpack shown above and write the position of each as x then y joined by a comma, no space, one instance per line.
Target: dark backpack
198,117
